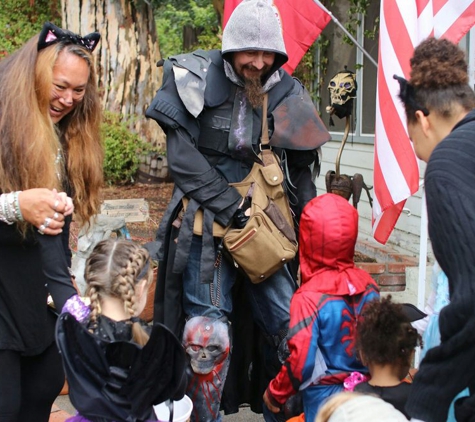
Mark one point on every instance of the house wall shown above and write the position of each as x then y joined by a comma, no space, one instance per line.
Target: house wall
357,157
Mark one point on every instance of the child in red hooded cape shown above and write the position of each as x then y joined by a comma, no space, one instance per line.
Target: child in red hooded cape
325,309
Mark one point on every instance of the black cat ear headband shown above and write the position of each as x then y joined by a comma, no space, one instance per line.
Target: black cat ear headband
408,95
51,34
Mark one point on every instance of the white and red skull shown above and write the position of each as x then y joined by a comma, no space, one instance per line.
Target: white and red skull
206,341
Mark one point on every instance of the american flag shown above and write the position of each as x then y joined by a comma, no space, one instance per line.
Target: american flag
302,23
403,25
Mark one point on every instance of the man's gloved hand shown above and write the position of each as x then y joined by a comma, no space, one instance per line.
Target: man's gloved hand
242,214
240,218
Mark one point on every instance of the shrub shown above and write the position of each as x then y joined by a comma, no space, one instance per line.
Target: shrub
20,20
122,150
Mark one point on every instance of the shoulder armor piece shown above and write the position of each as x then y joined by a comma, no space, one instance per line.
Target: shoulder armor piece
190,71
297,124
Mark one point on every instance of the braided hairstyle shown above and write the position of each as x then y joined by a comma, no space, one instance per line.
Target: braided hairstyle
113,270
385,336
439,76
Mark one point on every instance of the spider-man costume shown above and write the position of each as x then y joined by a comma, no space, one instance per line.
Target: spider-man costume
325,309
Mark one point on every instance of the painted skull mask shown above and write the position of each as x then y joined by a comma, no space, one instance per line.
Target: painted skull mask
206,342
342,89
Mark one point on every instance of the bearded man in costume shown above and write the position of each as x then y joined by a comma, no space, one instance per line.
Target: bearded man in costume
210,107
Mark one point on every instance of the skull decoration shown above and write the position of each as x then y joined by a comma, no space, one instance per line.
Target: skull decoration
206,341
342,89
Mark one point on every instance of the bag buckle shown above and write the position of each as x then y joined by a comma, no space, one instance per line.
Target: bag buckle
265,147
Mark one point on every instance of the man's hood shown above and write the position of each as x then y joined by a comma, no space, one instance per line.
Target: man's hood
254,25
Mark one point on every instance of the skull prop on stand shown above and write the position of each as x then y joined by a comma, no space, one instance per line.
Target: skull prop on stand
206,342
342,89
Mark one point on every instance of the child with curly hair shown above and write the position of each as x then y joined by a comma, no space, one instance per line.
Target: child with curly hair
386,341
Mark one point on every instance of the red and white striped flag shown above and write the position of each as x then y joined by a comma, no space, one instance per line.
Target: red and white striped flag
403,25
302,22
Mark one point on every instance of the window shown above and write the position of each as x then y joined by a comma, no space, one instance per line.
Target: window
340,54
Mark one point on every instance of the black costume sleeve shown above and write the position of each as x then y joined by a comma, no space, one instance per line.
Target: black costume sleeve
197,179
55,268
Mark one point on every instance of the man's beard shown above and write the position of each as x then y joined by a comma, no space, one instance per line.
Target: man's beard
254,92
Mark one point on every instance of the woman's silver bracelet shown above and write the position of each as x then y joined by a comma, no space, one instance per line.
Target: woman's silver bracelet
10,207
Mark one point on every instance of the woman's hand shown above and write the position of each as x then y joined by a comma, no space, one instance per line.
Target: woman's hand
67,201
45,209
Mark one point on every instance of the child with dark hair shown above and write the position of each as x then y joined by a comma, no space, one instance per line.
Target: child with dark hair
386,340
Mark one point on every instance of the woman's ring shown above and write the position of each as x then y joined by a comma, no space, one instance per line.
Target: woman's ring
41,229
47,222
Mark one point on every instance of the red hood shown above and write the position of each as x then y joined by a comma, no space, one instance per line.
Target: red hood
328,233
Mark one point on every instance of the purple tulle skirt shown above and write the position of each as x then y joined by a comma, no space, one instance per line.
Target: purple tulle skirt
77,418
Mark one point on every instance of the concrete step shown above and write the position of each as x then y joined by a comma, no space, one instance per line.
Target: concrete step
58,415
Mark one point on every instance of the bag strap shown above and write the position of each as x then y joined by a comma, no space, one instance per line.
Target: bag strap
267,154
265,126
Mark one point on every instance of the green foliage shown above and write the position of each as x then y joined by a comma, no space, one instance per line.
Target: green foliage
21,19
374,31
206,19
172,16
306,71
123,149
179,4
358,9
170,23
311,72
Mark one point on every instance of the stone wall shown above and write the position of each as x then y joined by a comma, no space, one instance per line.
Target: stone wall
153,169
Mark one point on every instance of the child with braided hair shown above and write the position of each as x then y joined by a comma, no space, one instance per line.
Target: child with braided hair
118,274
118,367
386,341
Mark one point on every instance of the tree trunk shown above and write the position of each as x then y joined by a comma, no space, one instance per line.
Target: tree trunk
126,56
219,7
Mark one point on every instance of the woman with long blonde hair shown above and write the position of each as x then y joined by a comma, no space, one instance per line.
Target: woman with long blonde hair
51,158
